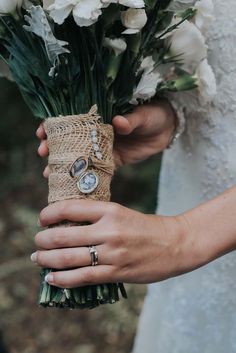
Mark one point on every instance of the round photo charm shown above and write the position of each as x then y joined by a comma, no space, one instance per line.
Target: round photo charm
88,182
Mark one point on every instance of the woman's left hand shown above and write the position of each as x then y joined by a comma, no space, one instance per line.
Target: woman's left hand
132,247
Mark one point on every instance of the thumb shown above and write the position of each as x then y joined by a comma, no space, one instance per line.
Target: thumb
125,125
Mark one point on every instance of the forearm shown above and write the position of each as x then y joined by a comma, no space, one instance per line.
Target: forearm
212,227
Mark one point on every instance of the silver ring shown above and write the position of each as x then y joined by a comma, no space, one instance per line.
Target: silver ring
94,255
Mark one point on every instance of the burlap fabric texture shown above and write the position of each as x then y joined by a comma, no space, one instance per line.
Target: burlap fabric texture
69,138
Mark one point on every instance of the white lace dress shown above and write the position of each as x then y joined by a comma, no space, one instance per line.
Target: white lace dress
196,312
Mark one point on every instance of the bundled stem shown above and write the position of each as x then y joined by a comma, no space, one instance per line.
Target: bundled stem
70,139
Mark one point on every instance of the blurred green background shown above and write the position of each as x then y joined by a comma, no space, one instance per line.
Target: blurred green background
24,327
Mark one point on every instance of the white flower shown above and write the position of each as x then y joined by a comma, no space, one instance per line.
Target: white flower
9,6
118,45
134,20
148,83
136,4
147,64
188,44
204,15
47,3
85,12
206,81
147,86
181,5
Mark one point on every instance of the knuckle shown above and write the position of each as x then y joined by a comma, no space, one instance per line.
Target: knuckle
120,256
123,253
117,237
59,239
114,209
66,258
87,277
112,274
62,207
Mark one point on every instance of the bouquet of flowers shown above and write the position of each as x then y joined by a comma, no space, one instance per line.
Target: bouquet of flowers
77,64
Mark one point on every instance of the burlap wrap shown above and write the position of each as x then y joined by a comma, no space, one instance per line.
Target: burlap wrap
69,138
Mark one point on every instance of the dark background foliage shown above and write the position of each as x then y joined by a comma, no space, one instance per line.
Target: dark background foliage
24,327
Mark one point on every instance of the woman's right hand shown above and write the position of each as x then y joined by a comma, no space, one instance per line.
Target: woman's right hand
138,135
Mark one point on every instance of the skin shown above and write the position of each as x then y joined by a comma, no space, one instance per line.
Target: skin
132,247
149,129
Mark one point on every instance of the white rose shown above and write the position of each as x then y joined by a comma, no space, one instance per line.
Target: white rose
9,6
134,20
206,81
188,44
204,15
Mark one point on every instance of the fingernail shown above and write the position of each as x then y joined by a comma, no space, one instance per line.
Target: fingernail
49,278
33,257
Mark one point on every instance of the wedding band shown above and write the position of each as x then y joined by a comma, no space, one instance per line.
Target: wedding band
94,255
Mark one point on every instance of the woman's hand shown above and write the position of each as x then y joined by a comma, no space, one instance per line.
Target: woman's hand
132,247
139,135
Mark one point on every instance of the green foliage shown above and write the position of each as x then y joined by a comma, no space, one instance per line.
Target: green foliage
89,73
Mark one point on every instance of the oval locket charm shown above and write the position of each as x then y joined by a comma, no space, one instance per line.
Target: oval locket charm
87,181
78,167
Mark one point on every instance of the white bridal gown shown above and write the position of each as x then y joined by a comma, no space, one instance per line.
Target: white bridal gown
196,312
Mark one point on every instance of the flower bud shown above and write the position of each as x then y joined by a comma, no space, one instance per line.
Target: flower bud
134,20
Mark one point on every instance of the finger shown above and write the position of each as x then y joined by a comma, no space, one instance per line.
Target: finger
43,149
46,172
40,133
73,210
125,125
68,237
83,277
68,258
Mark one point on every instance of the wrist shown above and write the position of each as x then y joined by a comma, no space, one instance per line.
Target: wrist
194,247
213,227
201,244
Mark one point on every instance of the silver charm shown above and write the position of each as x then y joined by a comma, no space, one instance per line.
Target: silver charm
88,182
94,139
99,155
79,167
96,148
94,133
